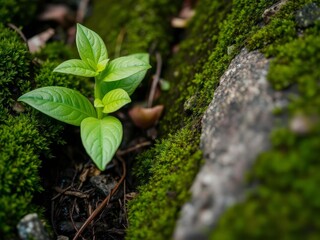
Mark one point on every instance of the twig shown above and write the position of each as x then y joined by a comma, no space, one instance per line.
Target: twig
92,224
104,203
131,149
60,192
83,5
156,79
71,193
71,218
14,27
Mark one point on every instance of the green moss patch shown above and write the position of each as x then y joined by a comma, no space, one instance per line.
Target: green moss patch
152,215
25,134
18,12
134,26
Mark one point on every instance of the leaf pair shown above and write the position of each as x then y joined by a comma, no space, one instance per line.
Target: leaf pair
93,54
100,137
94,60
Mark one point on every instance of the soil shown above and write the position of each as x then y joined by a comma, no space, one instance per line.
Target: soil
74,187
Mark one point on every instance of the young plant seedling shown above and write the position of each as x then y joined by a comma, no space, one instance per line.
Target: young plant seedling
115,81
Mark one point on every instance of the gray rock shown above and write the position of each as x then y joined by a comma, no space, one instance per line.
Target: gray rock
30,227
308,15
236,128
103,183
275,8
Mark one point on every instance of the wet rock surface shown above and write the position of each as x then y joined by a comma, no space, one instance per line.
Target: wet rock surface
30,227
236,128
308,15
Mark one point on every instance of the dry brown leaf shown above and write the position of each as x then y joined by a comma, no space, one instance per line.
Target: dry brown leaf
145,117
59,13
185,15
179,22
38,41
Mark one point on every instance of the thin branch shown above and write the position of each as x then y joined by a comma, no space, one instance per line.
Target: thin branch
72,193
60,192
14,27
156,79
131,149
82,9
71,218
105,202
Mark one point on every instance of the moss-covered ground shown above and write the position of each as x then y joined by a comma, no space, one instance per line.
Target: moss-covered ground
26,136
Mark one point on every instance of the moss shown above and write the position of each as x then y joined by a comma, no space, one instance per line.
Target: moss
171,167
20,147
15,67
55,51
284,203
289,67
283,206
189,63
19,12
279,31
136,26
105,10
25,134
230,24
150,26
282,28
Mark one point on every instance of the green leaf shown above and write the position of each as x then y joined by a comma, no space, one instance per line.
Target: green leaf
102,65
130,83
98,103
123,67
141,56
101,139
61,103
76,67
114,100
90,46
164,85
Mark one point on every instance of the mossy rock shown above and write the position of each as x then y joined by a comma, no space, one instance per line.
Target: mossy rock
194,75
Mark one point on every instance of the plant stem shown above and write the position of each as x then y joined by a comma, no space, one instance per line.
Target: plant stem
97,94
